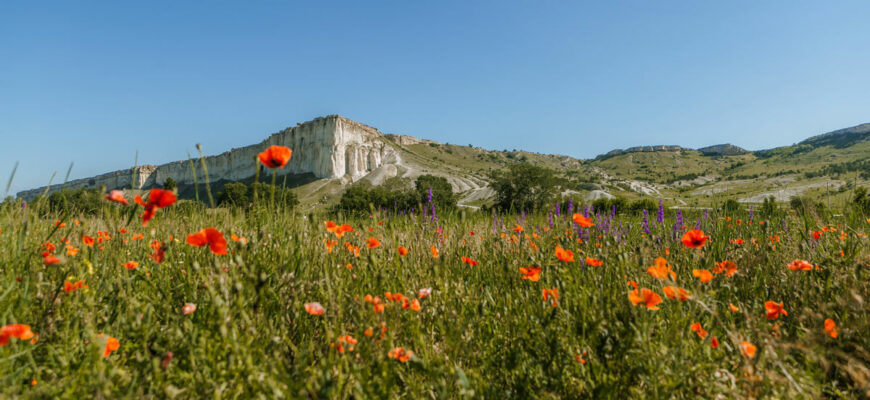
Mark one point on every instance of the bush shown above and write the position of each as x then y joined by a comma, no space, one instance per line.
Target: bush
731,206
523,187
170,184
82,200
639,205
862,200
237,194
605,206
234,194
361,197
442,193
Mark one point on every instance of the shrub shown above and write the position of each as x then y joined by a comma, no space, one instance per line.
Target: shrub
523,187
442,193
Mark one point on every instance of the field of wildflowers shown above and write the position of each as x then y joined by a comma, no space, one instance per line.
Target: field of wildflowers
147,300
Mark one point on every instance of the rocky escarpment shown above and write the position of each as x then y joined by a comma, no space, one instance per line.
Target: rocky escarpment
328,147
639,149
841,138
727,149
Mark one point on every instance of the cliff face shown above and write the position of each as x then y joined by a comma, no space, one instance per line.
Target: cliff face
328,147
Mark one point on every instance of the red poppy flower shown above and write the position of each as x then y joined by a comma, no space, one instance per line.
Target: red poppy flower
18,331
157,198
117,196
649,298
774,309
372,243
400,354
564,255
674,293
714,343
831,328
661,270
696,327
695,239
424,293
314,308
112,344
211,237
49,259
275,156
703,274
469,261
800,265
729,268
748,349
594,262
584,222
532,273
403,251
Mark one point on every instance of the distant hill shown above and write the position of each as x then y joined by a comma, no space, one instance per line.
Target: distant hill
333,152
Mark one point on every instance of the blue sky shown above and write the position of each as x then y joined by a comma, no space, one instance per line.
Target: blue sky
95,82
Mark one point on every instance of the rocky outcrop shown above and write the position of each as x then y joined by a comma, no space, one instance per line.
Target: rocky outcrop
327,147
639,149
406,140
841,138
727,149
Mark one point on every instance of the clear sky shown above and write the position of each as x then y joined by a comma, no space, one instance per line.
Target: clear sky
93,82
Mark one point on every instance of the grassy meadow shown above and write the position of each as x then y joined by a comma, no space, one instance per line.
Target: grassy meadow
483,332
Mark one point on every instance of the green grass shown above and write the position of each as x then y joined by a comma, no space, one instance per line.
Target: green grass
484,332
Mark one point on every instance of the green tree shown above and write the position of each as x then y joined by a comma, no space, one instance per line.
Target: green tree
170,184
523,187
442,192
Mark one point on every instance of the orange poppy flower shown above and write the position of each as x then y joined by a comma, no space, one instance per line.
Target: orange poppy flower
71,287
800,265
702,274
117,196
594,262
275,156
314,308
737,241
733,308
424,293
131,265
564,255
400,354
729,268
696,327
518,228
112,344
157,198
211,237
49,259
469,261
674,293
584,222
774,309
532,273
434,251
661,269
695,239
714,343
415,304
372,242
649,298
552,295
87,240
403,251
330,244
18,331
748,349
831,328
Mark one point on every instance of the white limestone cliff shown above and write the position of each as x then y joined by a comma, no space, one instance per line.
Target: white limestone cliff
328,147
